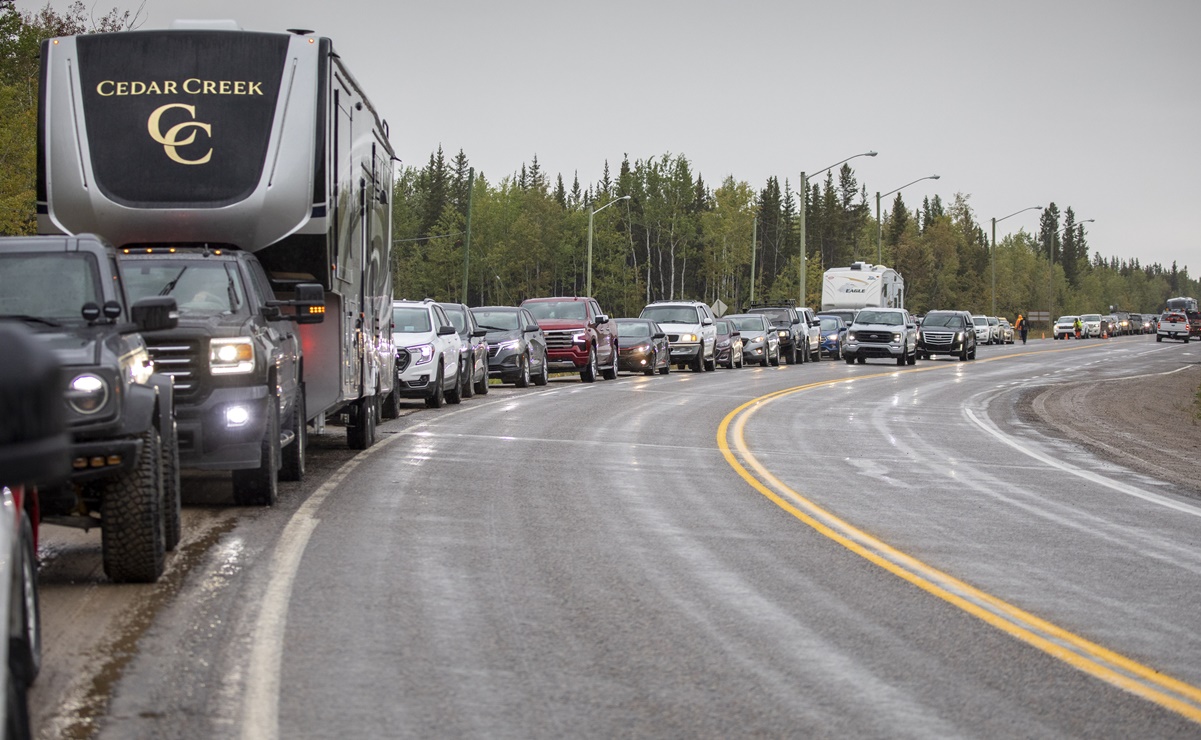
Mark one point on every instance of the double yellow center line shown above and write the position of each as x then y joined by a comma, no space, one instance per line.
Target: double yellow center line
1093,659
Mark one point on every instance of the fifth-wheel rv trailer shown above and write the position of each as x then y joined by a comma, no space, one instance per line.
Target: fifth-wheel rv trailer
208,137
862,286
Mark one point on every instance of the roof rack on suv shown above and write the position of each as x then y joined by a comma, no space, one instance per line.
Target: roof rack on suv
790,302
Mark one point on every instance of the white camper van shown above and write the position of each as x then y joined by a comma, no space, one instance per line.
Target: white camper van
862,286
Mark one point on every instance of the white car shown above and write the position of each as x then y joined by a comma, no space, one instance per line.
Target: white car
1065,327
427,353
691,332
983,330
1092,325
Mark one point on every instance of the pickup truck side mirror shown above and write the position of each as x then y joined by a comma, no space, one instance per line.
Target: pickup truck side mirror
446,330
155,313
602,319
310,303
706,321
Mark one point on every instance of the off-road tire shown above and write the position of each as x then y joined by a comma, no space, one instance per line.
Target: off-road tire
292,466
172,525
260,486
131,536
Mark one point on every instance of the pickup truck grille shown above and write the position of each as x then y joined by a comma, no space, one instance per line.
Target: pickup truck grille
184,361
874,336
560,339
402,360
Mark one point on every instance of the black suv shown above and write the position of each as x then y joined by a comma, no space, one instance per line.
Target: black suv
236,361
119,412
792,329
947,333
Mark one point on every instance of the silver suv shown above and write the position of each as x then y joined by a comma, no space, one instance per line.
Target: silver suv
691,331
887,333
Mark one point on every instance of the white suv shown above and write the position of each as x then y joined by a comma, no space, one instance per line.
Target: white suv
427,353
691,332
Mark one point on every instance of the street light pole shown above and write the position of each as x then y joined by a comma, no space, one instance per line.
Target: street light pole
754,248
880,225
994,252
804,202
592,212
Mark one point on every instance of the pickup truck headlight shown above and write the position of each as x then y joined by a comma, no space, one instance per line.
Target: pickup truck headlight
580,337
233,356
423,352
783,334
88,393
896,337
689,338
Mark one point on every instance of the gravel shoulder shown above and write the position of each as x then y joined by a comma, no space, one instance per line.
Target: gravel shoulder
1146,423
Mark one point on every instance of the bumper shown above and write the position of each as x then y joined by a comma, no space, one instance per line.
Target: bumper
685,352
830,346
573,358
888,351
505,366
128,449
636,362
208,442
954,348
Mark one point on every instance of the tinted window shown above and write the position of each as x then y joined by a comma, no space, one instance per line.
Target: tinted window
496,320
458,318
632,330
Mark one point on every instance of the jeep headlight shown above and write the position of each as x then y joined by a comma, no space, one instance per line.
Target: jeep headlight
233,356
87,393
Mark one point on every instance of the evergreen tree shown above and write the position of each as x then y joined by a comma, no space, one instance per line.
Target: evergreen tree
560,192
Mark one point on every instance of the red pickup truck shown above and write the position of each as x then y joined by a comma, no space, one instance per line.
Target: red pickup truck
579,336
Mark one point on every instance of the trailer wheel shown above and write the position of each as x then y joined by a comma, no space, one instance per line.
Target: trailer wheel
172,527
131,536
292,467
260,486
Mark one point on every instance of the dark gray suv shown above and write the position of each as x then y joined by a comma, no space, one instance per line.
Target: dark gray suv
947,333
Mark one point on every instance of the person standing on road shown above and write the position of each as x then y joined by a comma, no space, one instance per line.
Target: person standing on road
1077,326
1022,327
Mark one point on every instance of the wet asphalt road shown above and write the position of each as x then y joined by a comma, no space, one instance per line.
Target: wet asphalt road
583,560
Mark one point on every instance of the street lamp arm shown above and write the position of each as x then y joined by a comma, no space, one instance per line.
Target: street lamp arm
848,159
1031,208
615,200
927,177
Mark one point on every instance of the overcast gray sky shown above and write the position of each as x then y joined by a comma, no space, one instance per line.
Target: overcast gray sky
1093,105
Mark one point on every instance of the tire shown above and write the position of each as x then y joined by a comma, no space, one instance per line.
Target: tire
390,409
293,456
1158,338
438,398
711,363
360,435
25,647
698,364
589,373
902,361
850,359
467,378
861,360
16,713
913,358
455,394
610,373
791,357
523,372
260,486
131,535
741,361
543,376
172,525
775,361
482,386
766,360
816,356
666,367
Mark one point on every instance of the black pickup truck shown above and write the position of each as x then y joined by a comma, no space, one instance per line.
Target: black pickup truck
119,412
236,360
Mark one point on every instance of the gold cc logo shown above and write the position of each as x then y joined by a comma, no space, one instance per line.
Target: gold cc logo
170,140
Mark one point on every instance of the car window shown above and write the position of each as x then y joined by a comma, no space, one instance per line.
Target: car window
48,285
571,310
458,318
633,329
411,319
749,323
887,318
496,320
829,324
671,314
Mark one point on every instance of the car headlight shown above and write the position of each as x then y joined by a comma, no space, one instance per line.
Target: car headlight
832,335
783,334
723,344
689,338
958,336
896,337
508,344
580,337
423,352
232,356
87,393
137,367
641,349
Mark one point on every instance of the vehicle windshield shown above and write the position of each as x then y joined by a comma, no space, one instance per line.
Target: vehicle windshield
411,319
48,285
671,314
202,287
633,330
458,318
992,321
1066,320
829,323
1092,317
572,310
749,323
948,320
887,318
980,320
496,320
777,315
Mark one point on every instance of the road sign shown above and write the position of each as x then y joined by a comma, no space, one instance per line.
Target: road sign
1039,316
719,308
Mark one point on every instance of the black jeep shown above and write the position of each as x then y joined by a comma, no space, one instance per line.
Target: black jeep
119,412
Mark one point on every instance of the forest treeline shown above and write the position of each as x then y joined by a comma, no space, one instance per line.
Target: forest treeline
663,233
677,237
